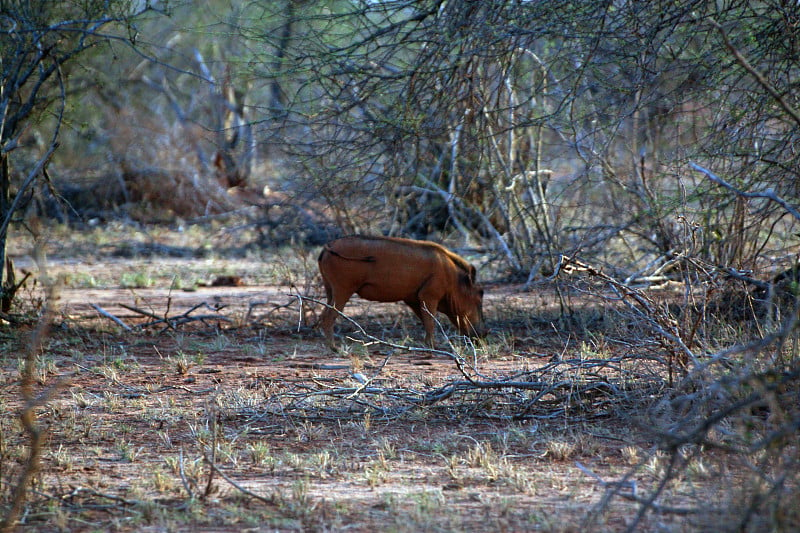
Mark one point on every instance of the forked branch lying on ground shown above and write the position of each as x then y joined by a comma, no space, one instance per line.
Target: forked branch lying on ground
171,322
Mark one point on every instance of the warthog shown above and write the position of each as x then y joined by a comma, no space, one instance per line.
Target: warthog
424,275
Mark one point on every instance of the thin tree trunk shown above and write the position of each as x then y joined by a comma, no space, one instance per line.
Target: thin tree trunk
5,212
277,102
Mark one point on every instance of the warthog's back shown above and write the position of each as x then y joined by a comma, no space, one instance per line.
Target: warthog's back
372,249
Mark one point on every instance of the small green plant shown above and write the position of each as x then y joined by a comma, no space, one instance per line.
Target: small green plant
255,350
596,349
374,474
386,448
83,400
200,433
82,280
45,366
324,462
561,450
452,463
165,438
300,493
199,358
353,350
62,458
518,479
109,372
260,453
428,503
122,364
163,482
656,464
172,463
308,431
113,401
630,454
176,284
136,280
698,469
366,423
294,461
182,362
482,455
128,451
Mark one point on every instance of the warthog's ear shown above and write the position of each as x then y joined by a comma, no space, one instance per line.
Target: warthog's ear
473,274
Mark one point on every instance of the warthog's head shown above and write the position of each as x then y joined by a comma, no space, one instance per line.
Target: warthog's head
469,308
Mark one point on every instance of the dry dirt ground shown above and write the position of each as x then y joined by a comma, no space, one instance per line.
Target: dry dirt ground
221,410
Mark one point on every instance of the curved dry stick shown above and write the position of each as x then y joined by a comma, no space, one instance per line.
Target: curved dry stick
769,194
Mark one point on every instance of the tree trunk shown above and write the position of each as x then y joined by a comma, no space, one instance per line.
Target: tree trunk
5,213
277,102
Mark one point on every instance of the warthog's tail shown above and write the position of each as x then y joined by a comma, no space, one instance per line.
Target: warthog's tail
364,259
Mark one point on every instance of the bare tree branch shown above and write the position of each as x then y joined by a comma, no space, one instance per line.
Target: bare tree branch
764,82
768,194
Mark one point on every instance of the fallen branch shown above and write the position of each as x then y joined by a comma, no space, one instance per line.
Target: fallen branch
275,307
111,317
547,392
140,311
371,339
616,485
179,320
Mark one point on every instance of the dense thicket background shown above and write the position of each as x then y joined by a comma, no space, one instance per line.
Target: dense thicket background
527,128
654,141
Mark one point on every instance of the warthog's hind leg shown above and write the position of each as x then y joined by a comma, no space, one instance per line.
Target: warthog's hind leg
336,302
